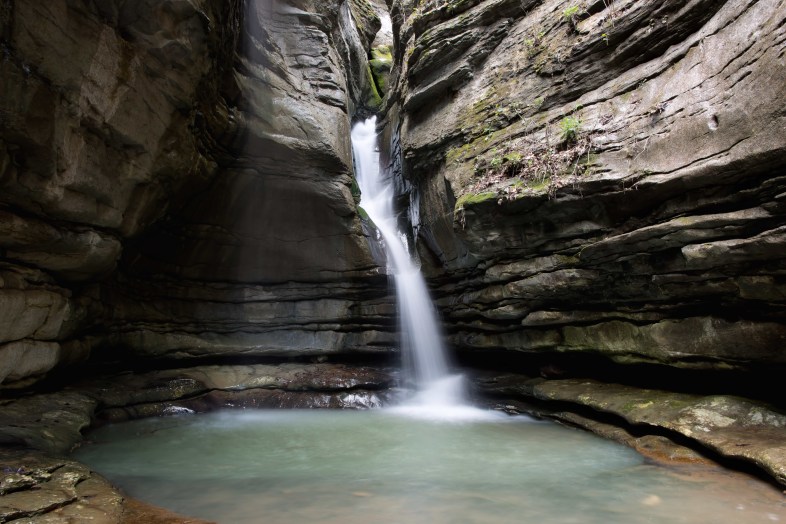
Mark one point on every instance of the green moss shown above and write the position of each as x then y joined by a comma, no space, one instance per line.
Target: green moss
355,190
474,198
569,13
458,154
382,52
381,64
373,98
513,158
540,185
364,217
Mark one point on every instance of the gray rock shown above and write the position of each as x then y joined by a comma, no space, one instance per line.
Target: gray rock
652,231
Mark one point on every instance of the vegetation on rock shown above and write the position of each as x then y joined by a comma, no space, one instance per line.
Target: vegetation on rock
381,64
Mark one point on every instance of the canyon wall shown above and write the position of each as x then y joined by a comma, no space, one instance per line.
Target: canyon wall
175,181
98,135
600,178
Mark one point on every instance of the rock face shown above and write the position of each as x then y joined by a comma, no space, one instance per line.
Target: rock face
63,490
269,258
726,426
606,179
98,108
176,180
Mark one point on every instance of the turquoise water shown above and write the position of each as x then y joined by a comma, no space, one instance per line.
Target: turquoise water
387,466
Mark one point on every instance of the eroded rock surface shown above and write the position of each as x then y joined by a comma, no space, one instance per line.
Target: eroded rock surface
99,113
727,426
608,181
35,487
176,180
270,257
54,422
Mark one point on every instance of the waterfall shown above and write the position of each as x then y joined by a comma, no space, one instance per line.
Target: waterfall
421,339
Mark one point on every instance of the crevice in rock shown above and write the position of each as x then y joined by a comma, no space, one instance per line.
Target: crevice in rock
760,382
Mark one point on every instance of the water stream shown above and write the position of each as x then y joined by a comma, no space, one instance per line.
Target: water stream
421,339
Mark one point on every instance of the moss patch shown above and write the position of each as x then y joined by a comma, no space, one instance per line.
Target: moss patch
373,98
381,64
474,198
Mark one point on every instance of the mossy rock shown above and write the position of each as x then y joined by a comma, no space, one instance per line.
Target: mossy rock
381,64
366,20
365,217
471,199
373,99
355,190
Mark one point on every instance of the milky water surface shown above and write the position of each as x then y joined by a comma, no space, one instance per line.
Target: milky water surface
388,466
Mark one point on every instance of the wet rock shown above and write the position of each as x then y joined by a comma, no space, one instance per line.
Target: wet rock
252,399
43,489
54,422
49,422
39,488
175,384
183,155
729,426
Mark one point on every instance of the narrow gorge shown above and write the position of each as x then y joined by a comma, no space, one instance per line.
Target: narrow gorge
596,194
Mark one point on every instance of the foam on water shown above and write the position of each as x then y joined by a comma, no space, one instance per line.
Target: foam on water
443,401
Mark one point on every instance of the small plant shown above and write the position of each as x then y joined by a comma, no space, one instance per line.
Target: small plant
570,127
538,102
570,14
513,159
605,38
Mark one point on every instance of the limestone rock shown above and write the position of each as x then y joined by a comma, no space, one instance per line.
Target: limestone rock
608,184
190,142
35,487
188,383
729,426
54,422
48,422
26,358
99,129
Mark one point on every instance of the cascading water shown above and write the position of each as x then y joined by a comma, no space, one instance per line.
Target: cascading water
421,339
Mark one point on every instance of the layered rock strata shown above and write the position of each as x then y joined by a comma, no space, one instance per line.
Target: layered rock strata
99,111
657,421
611,181
270,259
596,178
176,181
